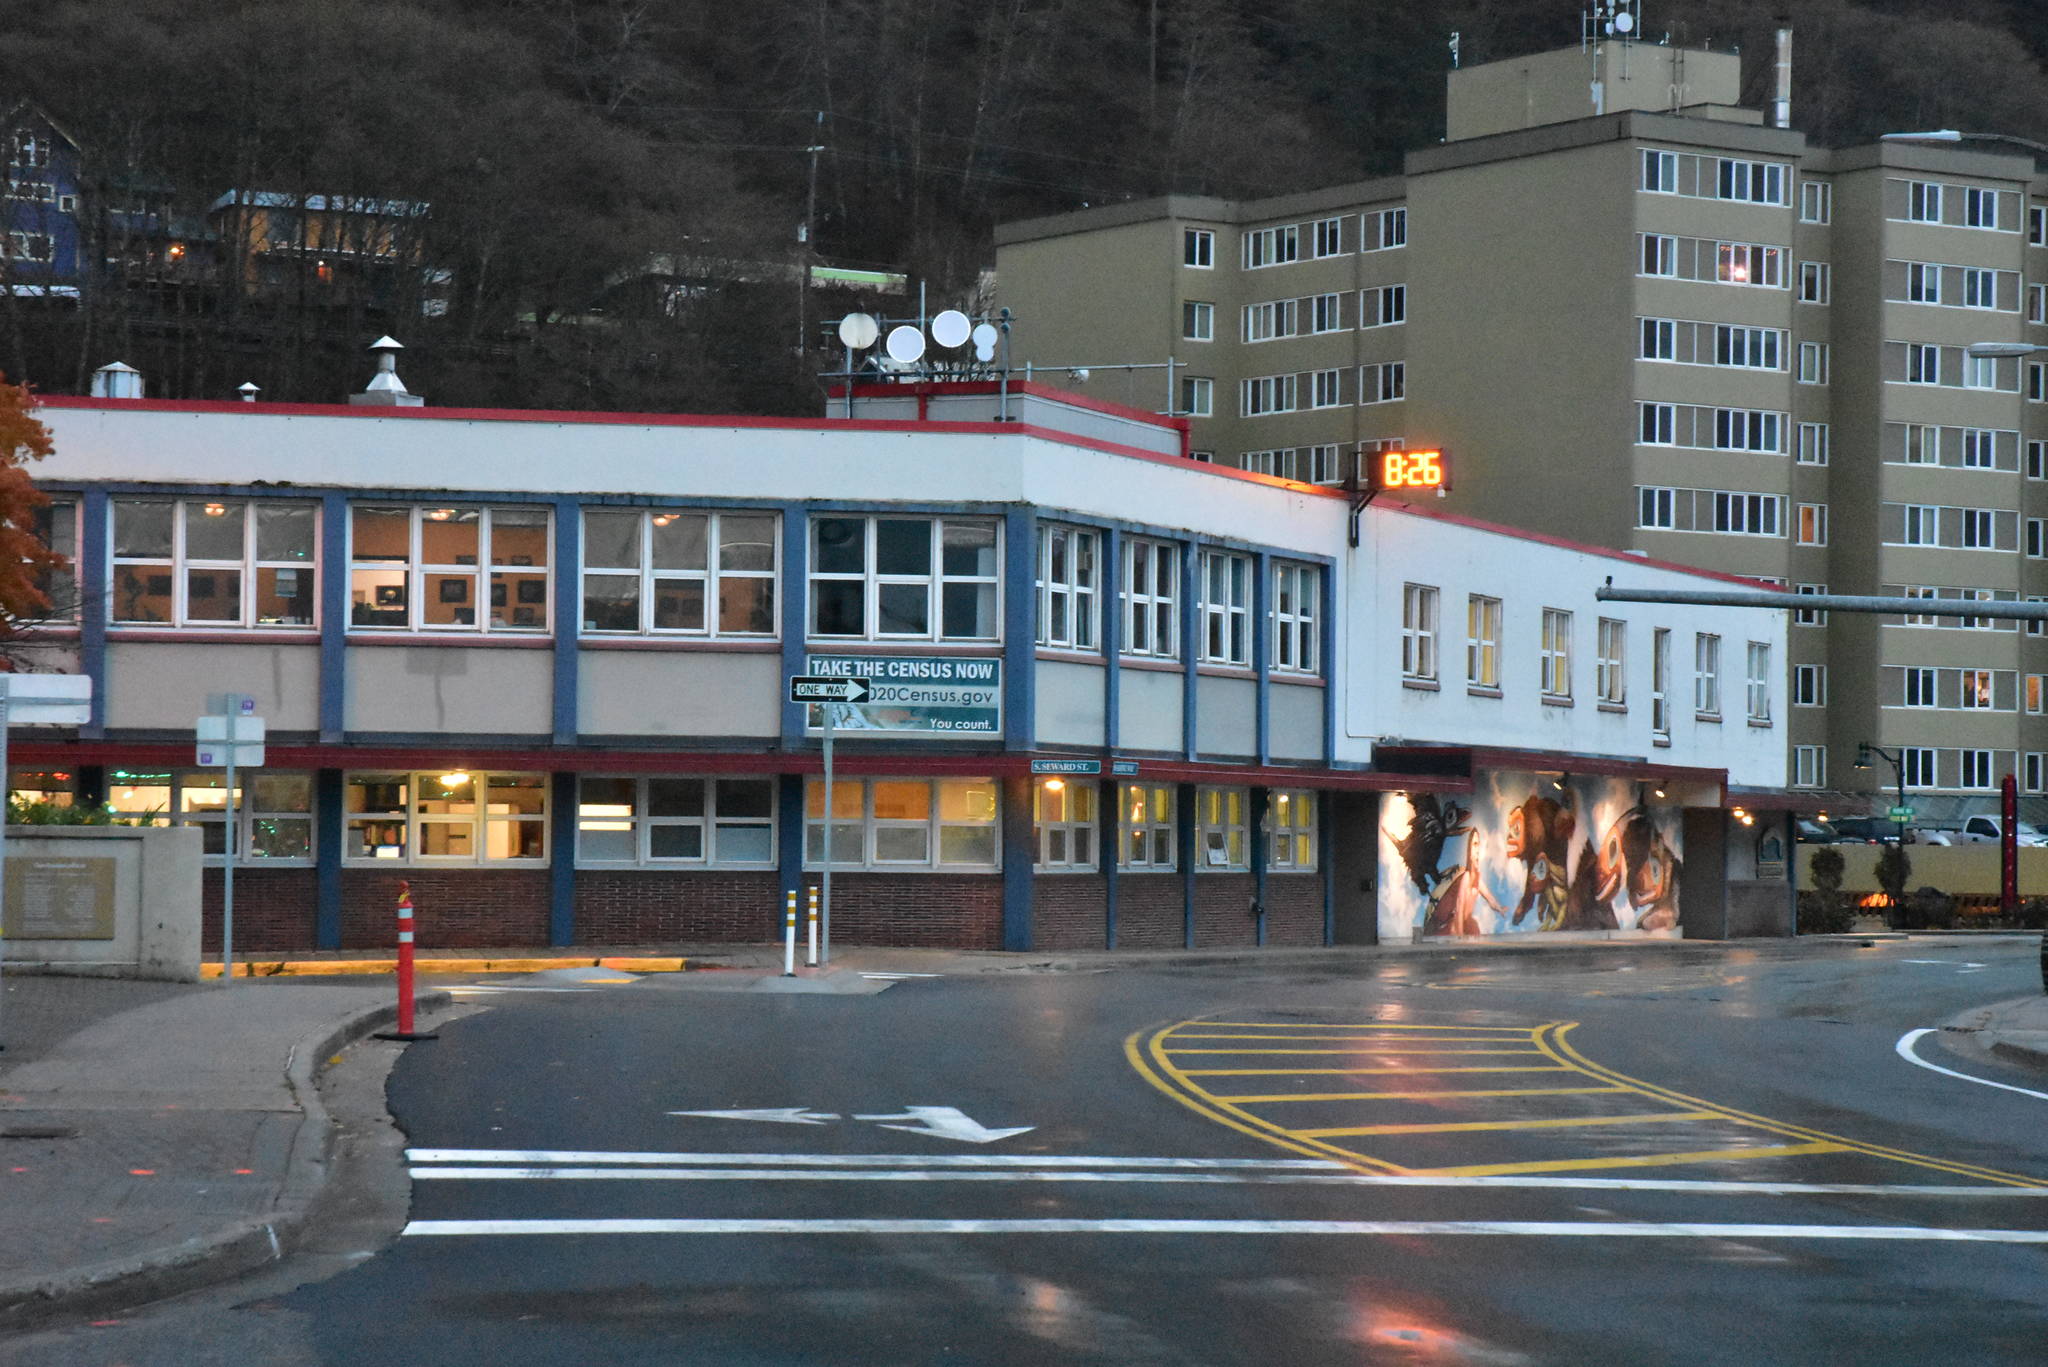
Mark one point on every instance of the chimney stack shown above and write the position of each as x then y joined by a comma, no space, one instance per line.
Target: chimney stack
117,380
1781,102
249,389
385,389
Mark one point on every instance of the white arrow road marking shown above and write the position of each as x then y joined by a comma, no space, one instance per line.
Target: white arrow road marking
1912,1037
1598,1229
946,1122
1963,966
783,1115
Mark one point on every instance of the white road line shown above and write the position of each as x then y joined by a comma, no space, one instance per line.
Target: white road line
1382,1228
1912,1037
464,987
538,1157
1042,1174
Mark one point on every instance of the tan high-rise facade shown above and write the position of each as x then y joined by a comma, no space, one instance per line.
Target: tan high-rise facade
1635,315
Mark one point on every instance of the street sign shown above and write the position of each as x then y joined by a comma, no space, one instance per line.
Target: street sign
1066,766
1902,814
47,699
825,688
1124,768
224,704
917,695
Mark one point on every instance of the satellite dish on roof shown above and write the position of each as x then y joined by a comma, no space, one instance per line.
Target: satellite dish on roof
906,344
1624,23
985,339
858,331
951,328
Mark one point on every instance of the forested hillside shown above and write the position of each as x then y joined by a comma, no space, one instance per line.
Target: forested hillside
570,151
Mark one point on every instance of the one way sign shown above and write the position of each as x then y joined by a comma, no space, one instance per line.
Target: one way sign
827,688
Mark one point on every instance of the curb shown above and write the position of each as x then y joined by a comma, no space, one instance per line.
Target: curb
234,1249
1980,1026
425,967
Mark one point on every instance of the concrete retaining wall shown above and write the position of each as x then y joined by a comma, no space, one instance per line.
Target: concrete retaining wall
121,900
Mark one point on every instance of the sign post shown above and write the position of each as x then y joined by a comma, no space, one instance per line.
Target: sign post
832,692
229,736
52,699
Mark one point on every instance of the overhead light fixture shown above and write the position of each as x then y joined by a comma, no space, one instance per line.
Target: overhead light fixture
454,779
1657,791
216,509
440,514
663,519
1053,785
1560,781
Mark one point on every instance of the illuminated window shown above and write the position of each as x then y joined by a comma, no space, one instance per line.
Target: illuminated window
212,563
274,809
1291,830
1222,841
1146,838
1556,654
687,822
449,569
1812,524
1976,689
1610,663
456,817
1482,642
1064,817
1749,263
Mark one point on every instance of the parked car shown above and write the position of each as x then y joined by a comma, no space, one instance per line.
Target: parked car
1985,830
1868,830
1813,831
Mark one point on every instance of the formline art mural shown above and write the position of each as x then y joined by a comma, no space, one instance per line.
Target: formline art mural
1526,854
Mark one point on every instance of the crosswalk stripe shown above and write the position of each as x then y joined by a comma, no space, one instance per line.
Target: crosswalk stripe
1414,1096
1651,1160
1555,1123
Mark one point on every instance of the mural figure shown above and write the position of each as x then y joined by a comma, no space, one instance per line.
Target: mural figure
1540,835
1635,857
1431,824
1454,901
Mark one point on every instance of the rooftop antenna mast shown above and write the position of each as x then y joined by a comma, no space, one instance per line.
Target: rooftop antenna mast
1605,20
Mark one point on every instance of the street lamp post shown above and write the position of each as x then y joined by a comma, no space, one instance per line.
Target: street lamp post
1864,750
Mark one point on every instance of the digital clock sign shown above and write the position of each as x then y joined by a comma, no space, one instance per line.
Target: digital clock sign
1398,471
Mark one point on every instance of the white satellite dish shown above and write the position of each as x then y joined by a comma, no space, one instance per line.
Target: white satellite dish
906,344
951,328
858,331
985,339
1624,22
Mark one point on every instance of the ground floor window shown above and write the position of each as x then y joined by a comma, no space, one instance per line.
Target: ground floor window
1063,816
904,824
453,817
1291,830
663,821
1221,832
274,808
1145,828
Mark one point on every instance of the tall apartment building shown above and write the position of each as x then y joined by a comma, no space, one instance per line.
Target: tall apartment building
1638,315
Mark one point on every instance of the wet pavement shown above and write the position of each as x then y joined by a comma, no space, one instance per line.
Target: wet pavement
1700,1155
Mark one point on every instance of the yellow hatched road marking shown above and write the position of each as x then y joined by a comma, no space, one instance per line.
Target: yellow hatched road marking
1419,1049
1364,1052
1419,1096
1562,1123
1347,1039
1347,1072
1362,1025
1652,1160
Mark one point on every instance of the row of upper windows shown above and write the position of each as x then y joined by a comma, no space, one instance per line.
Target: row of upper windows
228,563
1420,631
1382,382
685,822
1953,367
1377,306
1703,176
1728,513
1926,766
1372,231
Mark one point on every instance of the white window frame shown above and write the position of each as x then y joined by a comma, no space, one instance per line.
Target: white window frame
1660,172
715,827
1813,363
1225,608
1816,282
1197,396
1279,245
1809,685
935,579
1919,765
198,798
414,816
712,577
1980,287
1420,604
1222,830
1655,508
1148,831
866,829
1198,249
1749,265
1809,766
1610,662
1660,684
1482,642
1757,682
1810,524
1658,340
417,573
1264,395
1065,825
1297,618
1069,587
1326,389
1384,382
1326,313
249,568
1329,237
1706,676
1813,443
1197,321
1292,843
1923,201
1150,576
1984,764
1816,201
1554,657
1809,617
1659,256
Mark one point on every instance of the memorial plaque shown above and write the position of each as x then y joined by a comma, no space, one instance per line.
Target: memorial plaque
51,898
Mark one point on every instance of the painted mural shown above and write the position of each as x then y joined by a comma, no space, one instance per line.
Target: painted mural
1528,853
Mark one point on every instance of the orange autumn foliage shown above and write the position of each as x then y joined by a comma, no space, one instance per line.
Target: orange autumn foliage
25,562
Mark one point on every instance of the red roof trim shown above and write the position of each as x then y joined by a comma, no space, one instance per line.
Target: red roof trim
1051,393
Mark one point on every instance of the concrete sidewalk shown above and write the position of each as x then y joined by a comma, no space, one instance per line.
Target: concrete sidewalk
2016,1031
156,1137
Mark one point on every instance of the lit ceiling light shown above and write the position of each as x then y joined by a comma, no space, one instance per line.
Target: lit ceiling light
663,519
1053,785
216,509
455,779
440,514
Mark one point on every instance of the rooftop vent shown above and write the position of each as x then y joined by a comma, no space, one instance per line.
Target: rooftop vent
117,380
385,388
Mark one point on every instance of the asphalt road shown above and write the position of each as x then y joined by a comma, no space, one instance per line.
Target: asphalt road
1619,1156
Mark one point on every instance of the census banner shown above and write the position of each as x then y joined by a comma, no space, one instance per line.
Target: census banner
1528,853
915,695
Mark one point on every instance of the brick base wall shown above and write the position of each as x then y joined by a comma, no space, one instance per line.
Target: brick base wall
274,910
1294,908
1148,911
1069,910
1223,911
636,907
943,911
452,908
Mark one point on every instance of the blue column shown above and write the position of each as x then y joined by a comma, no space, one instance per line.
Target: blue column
334,581
328,834
94,583
1018,855
568,620
1261,846
1190,640
1020,634
1262,661
561,859
789,846
1184,822
1111,570
1108,850
796,531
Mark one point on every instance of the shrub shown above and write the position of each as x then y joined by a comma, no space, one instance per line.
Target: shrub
1826,866
25,812
2033,914
1927,909
1893,869
1823,913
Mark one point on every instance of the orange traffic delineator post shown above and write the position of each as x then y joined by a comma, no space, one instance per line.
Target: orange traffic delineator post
405,1032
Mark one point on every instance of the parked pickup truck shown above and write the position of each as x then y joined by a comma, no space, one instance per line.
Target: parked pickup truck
1982,830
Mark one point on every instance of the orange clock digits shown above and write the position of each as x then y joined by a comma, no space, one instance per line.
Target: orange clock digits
1412,470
